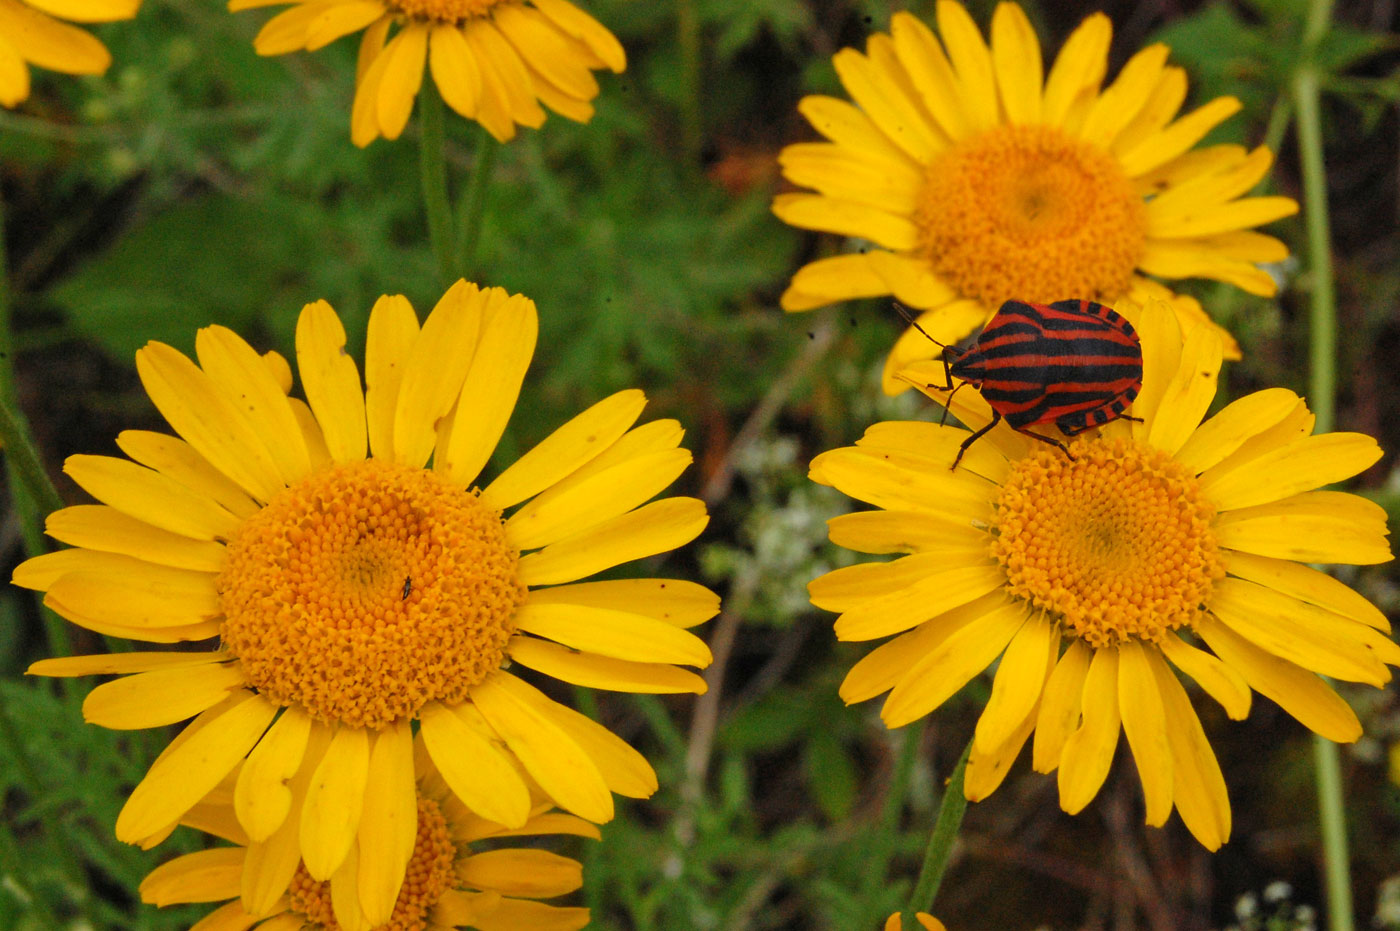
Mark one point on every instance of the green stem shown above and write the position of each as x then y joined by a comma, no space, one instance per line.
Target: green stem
432,141
1322,390
31,491
473,207
887,831
688,38
942,838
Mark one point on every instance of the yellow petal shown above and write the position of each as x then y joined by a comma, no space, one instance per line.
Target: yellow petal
1089,750
1307,585
478,773
500,63
161,696
897,531
845,124
1304,634
831,280
1198,788
613,633
261,796
186,774
389,822
404,56
369,77
537,874
885,666
177,460
331,381
851,586
972,61
938,445
53,45
1125,97
987,769
574,22
105,528
14,76
1297,691
1237,422
1081,64
602,672
203,876
1177,138
846,218
1301,530
1302,465
1016,689
119,663
950,665
886,482
1016,57
1188,395
547,50
908,607
1060,705
624,770
271,864
1161,357
684,604
559,765
650,529
848,174
393,331
913,282
330,816
191,402
341,20
566,449
1162,104
454,68
244,379
152,598
1221,682
437,365
491,387
1145,724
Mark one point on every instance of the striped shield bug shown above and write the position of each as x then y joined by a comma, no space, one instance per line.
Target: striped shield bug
1075,364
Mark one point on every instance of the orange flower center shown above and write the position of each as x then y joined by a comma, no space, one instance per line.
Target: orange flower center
368,589
430,873
445,11
1118,543
1029,213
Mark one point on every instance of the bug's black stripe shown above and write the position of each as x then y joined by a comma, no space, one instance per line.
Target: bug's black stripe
1047,375
1061,349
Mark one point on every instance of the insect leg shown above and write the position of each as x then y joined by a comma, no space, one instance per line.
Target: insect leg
996,416
1053,442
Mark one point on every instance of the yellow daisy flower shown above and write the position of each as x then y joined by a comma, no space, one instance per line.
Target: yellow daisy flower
493,61
925,920
31,35
460,875
355,591
1168,542
977,179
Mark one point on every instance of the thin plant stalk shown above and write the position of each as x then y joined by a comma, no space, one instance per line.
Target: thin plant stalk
887,830
432,142
473,206
942,838
1322,390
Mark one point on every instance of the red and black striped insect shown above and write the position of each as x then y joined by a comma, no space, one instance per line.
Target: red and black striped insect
1076,364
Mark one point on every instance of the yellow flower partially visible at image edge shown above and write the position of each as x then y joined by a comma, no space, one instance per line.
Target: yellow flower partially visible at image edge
450,883
354,593
31,35
925,920
977,179
1165,541
493,61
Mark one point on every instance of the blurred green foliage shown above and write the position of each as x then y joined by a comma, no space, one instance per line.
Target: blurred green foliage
197,183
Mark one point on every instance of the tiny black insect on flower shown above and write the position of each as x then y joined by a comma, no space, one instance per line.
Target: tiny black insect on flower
1076,364
407,588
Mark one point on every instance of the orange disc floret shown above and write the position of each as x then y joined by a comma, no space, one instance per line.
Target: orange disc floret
367,590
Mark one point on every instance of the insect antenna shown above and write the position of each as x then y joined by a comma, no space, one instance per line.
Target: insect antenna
947,350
